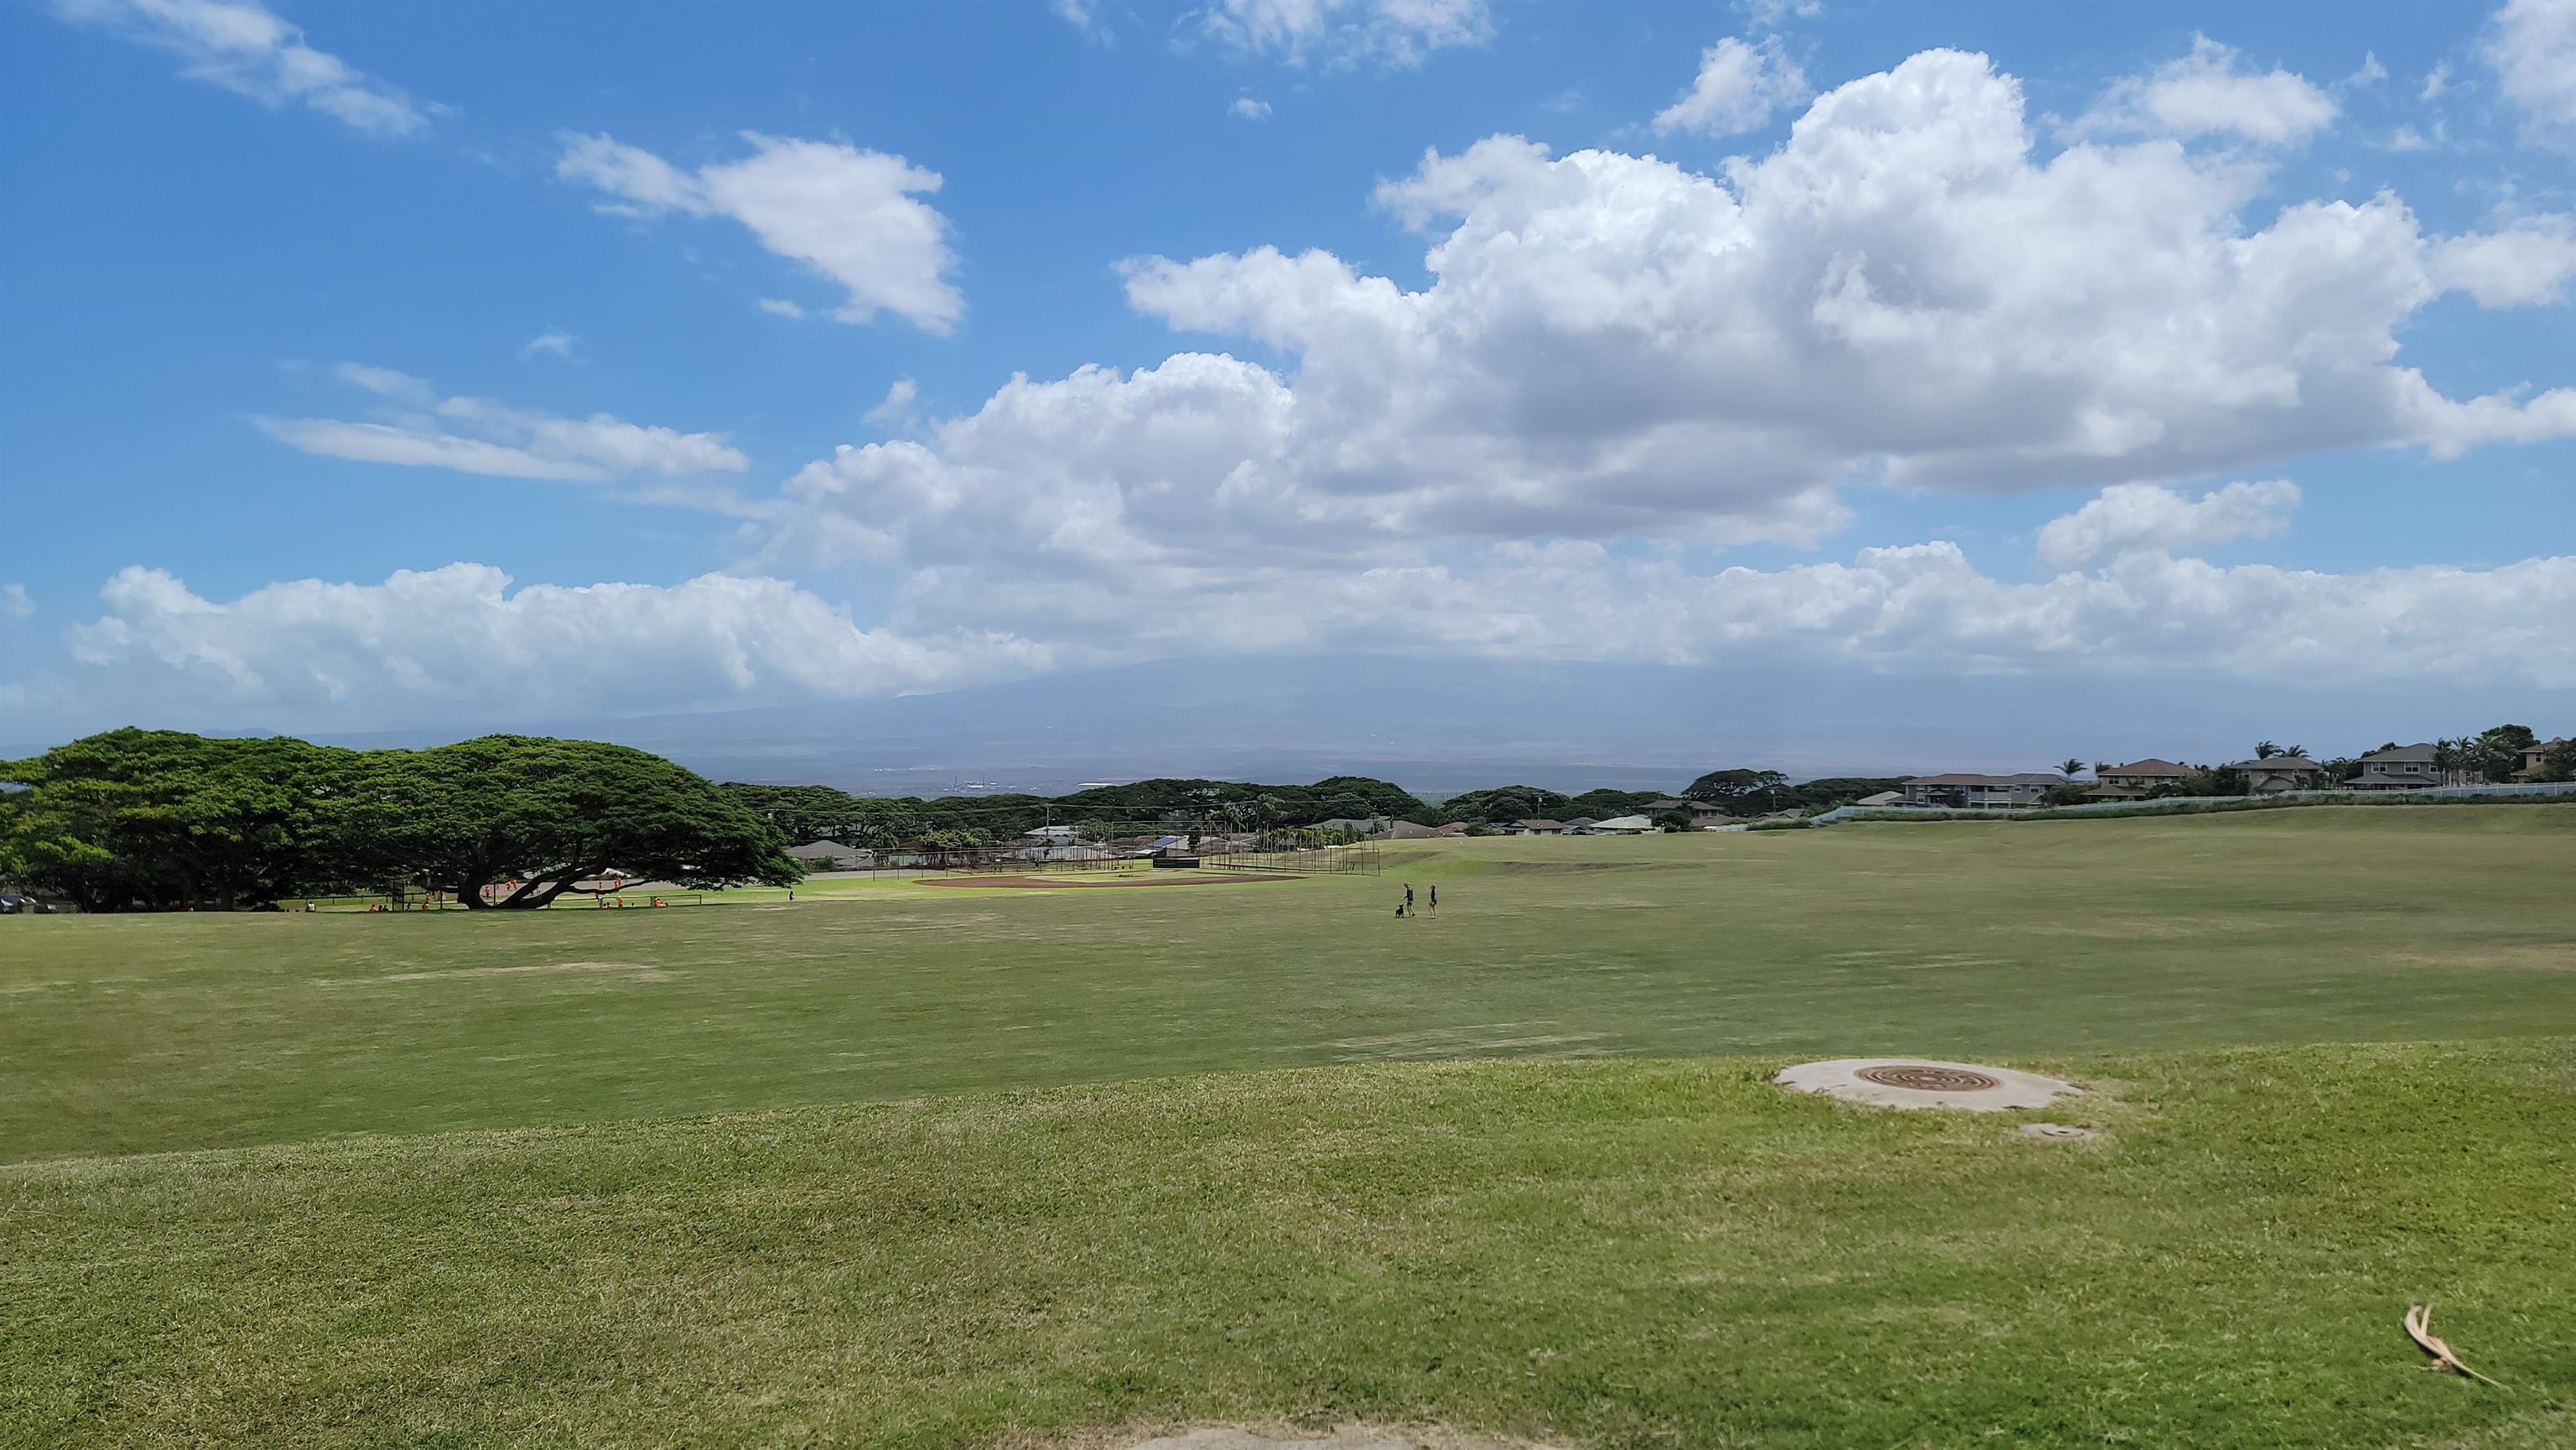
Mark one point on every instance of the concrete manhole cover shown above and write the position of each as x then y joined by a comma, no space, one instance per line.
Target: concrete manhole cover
1925,1077
2056,1131
1906,1082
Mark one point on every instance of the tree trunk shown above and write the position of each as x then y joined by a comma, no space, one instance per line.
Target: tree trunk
547,896
539,891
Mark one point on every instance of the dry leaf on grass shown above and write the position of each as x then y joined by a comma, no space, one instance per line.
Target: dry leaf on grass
2419,1323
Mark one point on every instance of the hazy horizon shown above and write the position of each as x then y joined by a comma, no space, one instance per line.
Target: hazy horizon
1445,726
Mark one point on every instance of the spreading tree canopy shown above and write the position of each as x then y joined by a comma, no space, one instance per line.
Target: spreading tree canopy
1504,804
547,813
163,820
166,820
2560,761
1739,791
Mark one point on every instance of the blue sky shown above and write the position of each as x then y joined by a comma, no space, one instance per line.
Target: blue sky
2202,342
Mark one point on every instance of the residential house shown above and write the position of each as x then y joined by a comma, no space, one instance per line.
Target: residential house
1615,826
1883,798
1970,792
1051,836
2532,757
1408,831
1536,827
1701,813
1576,827
2274,774
2135,780
2399,767
1351,825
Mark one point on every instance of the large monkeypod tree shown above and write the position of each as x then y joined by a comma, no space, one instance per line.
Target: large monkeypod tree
547,813
163,820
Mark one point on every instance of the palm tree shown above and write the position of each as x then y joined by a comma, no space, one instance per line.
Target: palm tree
2070,767
2296,752
2265,750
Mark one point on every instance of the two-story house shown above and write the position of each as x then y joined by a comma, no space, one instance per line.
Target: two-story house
2135,780
1702,813
2273,774
2532,756
2399,767
1963,791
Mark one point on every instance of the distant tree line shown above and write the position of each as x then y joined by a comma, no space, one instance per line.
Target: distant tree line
160,820
1737,792
1762,792
820,812
1504,804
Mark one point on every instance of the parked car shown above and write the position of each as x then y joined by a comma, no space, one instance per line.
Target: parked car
13,904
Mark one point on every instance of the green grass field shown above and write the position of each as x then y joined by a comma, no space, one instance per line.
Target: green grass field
922,1166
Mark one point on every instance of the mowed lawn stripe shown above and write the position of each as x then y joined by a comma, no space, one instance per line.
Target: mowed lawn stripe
148,1034
1612,1253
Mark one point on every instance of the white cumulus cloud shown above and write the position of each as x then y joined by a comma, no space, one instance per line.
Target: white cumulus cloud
2210,93
1249,109
1771,14
1611,359
854,216
1389,32
2525,263
1612,345
2131,517
244,47
1738,88
2532,48
459,643
476,435
1614,356
896,409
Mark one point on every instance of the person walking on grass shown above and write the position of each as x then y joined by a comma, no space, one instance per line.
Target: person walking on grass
1435,898
1408,896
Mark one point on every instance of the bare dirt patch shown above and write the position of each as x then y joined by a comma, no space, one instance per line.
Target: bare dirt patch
1050,883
